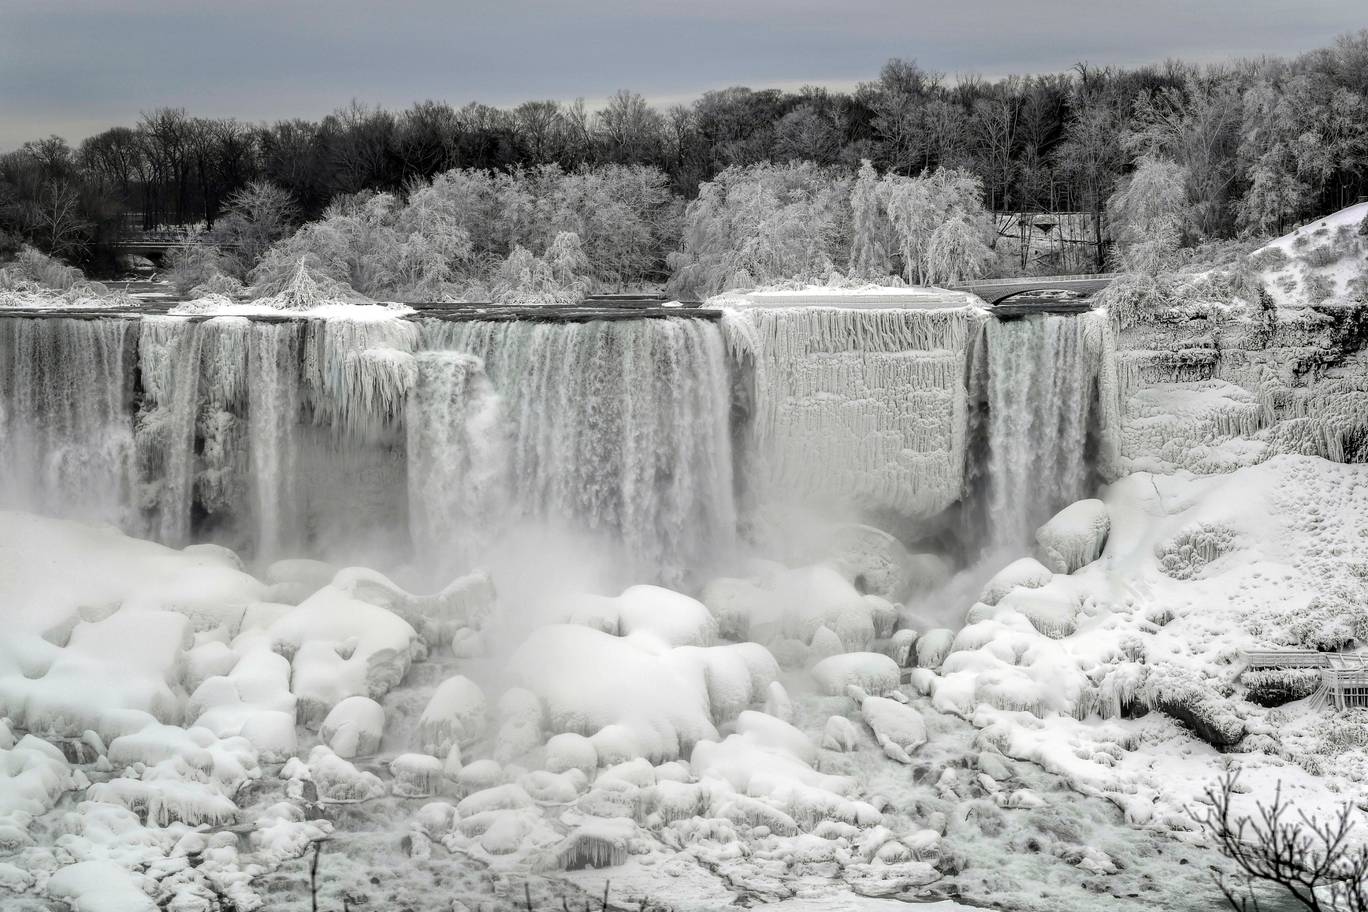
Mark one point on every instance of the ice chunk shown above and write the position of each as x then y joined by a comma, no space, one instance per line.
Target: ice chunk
569,750
354,727
455,714
1025,573
1074,537
416,775
870,671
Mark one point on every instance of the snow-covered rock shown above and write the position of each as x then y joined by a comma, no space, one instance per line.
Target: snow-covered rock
1074,537
354,727
456,713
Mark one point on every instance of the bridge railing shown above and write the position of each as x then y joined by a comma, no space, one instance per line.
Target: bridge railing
1043,281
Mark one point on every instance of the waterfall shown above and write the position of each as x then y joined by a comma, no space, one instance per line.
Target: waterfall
273,410
66,437
457,461
614,427
1041,379
169,352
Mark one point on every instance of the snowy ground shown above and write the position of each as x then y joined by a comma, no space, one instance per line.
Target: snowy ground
754,746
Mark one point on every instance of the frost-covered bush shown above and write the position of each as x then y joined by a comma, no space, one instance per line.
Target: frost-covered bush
1187,554
1318,287
1276,686
558,277
33,266
1327,255
1268,259
1333,620
1133,298
198,264
372,243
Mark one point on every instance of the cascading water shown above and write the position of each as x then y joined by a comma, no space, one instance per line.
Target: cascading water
352,438
457,461
273,410
66,442
1041,383
334,438
615,427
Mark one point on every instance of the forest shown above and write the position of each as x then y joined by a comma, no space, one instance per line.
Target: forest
741,185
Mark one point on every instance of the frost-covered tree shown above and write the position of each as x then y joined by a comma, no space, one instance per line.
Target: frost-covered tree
763,223
1147,215
257,216
557,277
957,252
918,207
870,231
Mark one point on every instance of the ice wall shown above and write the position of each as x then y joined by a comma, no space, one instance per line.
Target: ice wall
1210,391
863,408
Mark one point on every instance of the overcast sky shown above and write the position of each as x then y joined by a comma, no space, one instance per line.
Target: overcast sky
74,67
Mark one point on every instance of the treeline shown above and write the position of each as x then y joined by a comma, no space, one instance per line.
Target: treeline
1260,144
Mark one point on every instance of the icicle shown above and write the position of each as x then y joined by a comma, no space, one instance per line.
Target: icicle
358,373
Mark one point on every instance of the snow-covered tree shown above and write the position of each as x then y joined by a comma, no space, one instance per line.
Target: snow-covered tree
918,207
1147,215
957,252
761,224
870,230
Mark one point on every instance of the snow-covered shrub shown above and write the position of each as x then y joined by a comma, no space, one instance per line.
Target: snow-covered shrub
1133,298
1187,554
1334,619
198,263
1181,694
1317,287
1323,256
560,276
31,265
1276,686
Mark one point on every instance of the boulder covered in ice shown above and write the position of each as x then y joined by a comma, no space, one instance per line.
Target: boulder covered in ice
339,647
416,775
671,616
870,671
1074,537
1025,573
635,694
354,727
456,713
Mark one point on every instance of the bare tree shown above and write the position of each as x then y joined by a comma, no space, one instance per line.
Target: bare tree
1310,861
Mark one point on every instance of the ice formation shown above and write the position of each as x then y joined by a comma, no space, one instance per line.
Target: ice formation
857,406
871,712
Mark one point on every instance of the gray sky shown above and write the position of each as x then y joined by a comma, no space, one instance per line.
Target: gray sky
74,67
